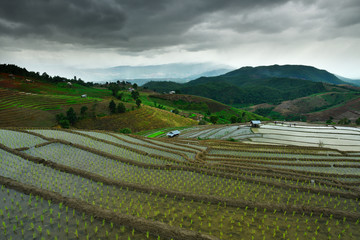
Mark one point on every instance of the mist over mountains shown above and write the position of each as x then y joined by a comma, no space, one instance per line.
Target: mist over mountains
177,72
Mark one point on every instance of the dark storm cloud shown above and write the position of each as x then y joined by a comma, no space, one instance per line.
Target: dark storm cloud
137,25
78,21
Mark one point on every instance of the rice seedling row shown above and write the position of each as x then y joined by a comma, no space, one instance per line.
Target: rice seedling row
224,199
69,185
311,134
31,217
139,147
279,154
14,139
100,146
227,222
221,191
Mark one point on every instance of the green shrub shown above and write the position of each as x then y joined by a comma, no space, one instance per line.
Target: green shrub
202,122
64,123
125,130
357,121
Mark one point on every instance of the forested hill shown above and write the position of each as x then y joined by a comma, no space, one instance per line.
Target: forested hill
286,71
254,85
16,70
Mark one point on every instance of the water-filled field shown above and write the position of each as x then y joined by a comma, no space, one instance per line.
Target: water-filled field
69,184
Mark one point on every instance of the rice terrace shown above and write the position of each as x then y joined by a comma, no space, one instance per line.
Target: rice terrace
211,182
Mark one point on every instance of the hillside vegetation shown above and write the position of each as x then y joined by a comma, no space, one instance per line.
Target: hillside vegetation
290,92
38,100
248,85
144,118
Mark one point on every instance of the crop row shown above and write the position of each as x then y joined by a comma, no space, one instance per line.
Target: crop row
73,186
114,139
109,148
42,102
221,220
223,200
278,156
210,185
266,148
14,139
25,216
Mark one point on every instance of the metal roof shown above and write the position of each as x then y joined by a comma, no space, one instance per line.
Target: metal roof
255,121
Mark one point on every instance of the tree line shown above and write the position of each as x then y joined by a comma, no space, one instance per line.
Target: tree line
15,70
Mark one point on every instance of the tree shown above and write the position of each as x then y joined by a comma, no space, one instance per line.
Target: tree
121,108
233,119
138,102
135,86
344,121
330,120
83,111
114,88
71,116
213,119
357,121
202,122
120,95
112,106
60,117
64,123
135,95
125,130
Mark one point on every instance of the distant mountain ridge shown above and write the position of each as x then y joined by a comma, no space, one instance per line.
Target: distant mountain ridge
286,71
254,85
355,82
177,72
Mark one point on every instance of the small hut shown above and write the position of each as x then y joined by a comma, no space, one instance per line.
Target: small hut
255,123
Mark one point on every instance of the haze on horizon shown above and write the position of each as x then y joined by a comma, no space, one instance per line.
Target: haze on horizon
61,36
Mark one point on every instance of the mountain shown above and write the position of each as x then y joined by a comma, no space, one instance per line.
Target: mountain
177,72
286,71
355,82
255,85
143,81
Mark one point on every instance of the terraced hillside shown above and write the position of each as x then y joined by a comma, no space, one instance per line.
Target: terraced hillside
301,134
73,184
140,119
28,109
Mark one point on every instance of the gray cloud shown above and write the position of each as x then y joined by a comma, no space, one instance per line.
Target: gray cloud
137,24
81,21
152,28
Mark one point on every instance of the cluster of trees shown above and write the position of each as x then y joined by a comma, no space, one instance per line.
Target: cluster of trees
136,96
343,121
120,108
13,69
116,87
65,121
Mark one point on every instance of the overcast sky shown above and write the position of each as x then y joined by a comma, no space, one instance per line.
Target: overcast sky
53,35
